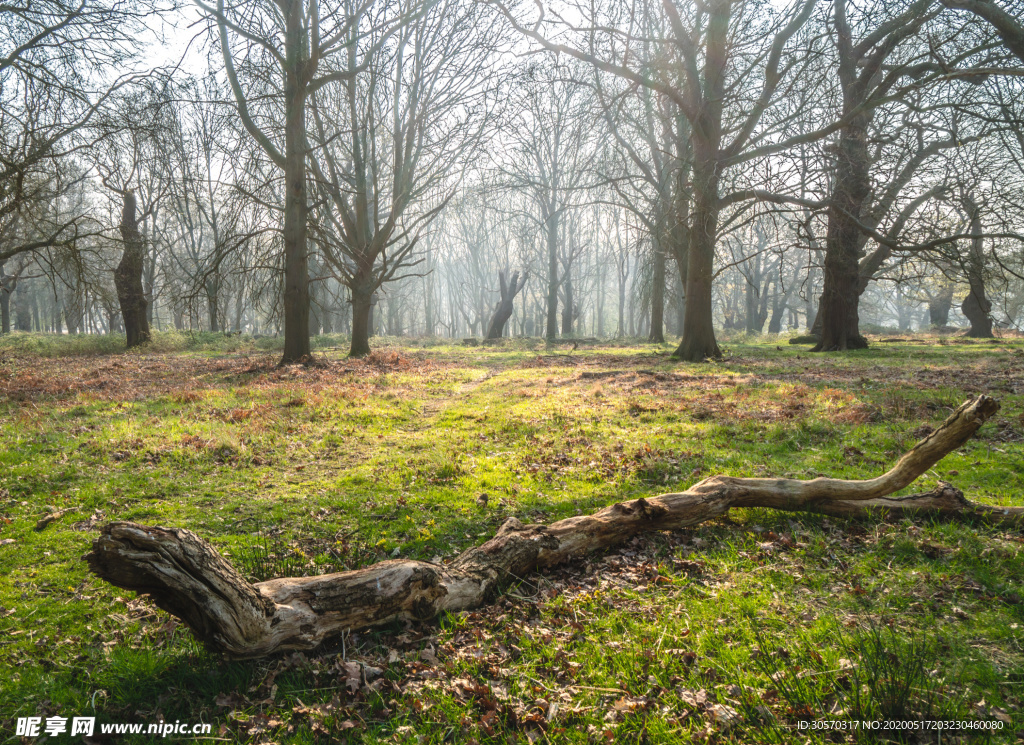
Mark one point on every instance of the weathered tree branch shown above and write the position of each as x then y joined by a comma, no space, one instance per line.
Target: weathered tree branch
1009,28
188,578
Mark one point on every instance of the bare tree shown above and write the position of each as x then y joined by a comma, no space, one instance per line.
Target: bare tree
872,69
509,289
131,160
205,210
728,123
312,46
395,140
651,168
550,148
54,63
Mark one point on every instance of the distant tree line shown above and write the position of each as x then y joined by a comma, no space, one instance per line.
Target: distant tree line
656,169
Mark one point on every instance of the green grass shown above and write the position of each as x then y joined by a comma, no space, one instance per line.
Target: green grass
310,470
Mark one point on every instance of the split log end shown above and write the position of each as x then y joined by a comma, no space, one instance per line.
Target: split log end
185,576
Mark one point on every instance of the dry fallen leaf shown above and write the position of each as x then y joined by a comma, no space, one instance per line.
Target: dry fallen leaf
693,698
724,715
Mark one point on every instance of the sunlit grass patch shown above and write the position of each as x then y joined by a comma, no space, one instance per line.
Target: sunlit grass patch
297,470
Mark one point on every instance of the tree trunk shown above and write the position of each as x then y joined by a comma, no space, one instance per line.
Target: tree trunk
212,305
778,310
394,315
682,261
37,323
858,71
551,327
149,283
296,260
567,306
186,576
976,307
74,309
362,318
22,313
128,276
679,235
6,288
621,331
239,309
812,312
5,311
657,334
113,319
503,311
939,306
699,343
904,311
428,296
841,293
762,308
752,296
681,308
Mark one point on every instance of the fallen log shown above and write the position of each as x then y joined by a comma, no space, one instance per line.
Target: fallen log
188,578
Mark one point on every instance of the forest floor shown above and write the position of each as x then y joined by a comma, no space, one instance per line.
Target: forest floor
733,631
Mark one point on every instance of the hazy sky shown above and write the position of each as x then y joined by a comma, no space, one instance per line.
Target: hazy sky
178,36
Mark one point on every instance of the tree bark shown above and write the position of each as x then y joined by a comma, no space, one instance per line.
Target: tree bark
5,311
681,254
428,295
74,309
186,576
698,342
680,305
22,312
850,203
239,309
362,315
128,276
752,298
976,307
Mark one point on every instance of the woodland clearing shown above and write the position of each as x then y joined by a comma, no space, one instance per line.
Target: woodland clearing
731,631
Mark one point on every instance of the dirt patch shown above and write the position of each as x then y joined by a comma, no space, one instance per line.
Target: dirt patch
182,377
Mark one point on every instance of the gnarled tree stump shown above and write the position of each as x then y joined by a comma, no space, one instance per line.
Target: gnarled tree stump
186,576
